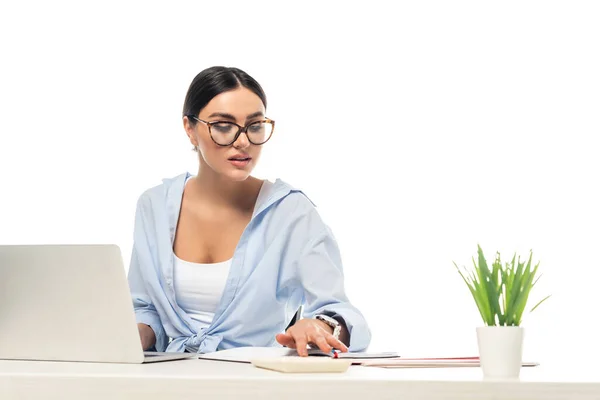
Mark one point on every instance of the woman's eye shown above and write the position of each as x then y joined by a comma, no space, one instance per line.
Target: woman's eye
222,128
256,128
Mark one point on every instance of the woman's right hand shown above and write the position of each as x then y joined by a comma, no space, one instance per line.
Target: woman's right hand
146,336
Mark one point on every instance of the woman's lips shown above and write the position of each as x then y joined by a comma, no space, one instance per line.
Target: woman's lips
240,161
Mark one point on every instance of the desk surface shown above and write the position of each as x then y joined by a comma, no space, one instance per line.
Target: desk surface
187,379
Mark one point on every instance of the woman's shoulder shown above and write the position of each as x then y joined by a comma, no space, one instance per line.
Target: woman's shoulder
286,198
292,209
169,188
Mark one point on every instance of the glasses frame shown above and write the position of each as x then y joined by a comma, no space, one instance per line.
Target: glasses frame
241,129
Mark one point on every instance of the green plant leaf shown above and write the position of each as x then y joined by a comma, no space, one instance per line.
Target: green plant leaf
521,301
493,290
540,302
472,285
483,273
516,282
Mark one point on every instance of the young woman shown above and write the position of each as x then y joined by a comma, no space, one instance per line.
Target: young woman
223,259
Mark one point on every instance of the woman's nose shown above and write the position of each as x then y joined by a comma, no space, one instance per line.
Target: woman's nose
242,141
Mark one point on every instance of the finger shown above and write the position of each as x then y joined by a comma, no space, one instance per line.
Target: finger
322,343
285,339
336,344
301,343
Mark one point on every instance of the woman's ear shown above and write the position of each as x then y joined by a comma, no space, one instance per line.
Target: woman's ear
190,131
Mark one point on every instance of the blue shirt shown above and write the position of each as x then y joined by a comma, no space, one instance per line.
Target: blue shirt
286,257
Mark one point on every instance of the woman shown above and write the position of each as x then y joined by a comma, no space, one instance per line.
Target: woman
223,259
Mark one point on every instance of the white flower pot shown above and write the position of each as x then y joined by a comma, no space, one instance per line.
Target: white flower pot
500,351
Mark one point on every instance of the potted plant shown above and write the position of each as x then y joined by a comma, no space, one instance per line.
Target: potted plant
501,293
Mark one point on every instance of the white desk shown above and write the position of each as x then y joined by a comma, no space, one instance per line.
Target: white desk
202,379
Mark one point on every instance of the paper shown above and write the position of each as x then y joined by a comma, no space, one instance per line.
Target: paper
247,354
456,362
364,356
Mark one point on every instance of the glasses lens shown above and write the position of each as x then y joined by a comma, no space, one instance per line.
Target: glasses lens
223,132
260,132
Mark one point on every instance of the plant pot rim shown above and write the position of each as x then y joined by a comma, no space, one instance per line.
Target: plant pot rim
500,326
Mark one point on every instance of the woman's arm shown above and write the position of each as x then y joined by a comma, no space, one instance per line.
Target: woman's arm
344,334
147,336
319,270
321,275
145,312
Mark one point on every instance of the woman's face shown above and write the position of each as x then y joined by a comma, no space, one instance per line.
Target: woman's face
237,160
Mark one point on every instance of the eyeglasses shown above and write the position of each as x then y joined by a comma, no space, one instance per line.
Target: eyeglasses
225,133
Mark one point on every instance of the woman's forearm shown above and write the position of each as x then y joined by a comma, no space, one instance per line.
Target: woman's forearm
147,336
344,334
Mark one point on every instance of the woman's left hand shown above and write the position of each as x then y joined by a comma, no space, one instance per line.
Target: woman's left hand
310,331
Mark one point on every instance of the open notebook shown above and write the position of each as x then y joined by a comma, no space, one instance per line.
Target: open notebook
247,354
444,362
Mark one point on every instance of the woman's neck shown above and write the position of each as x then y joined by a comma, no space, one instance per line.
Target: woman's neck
218,189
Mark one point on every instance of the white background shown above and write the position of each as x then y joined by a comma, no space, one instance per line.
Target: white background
420,130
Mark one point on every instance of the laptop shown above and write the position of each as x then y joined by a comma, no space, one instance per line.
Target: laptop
69,303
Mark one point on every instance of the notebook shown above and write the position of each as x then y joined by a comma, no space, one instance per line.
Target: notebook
444,362
247,354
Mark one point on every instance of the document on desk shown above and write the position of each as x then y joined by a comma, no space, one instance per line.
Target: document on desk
247,354
447,362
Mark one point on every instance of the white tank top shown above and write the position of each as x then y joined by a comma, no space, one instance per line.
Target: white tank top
199,287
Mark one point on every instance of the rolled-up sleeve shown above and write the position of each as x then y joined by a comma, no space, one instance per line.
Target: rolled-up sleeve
321,275
145,312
